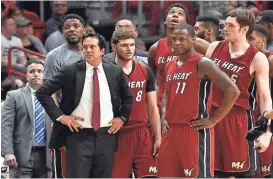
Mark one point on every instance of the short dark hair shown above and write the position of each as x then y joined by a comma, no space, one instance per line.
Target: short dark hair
210,21
244,17
72,16
31,61
101,40
262,30
123,33
4,20
180,6
187,27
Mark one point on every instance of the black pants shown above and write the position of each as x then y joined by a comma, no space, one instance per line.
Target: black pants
90,154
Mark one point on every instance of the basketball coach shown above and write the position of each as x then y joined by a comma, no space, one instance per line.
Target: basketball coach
96,103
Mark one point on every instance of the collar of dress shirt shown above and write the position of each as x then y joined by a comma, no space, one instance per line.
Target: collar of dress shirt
90,67
31,89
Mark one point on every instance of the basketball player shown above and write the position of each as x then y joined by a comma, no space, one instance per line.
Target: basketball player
248,68
135,144
207,28
258,39
187,148
160,53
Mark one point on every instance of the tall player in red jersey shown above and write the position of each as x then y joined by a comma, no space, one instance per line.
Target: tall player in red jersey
135,144
258,39
160,53
248,68
187,147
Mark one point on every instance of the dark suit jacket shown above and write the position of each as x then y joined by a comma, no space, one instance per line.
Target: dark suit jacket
17,125
70,80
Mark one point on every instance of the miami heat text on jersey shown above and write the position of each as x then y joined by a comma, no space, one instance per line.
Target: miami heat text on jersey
187,94
238,70
141,81
163,56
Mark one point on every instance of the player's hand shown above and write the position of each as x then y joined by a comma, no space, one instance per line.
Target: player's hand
164,127
117,123
10,160
71,122
156,147
204,123
262,143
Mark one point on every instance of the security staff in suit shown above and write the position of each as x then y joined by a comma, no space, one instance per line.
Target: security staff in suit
96,102
25,128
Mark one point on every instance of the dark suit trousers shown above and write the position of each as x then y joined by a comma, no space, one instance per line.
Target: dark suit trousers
36,167
90,154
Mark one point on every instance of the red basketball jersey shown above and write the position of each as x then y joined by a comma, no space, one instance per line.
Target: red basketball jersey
238,70
138,80
163,56
187,94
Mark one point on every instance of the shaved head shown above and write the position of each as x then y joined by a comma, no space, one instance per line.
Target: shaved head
126,23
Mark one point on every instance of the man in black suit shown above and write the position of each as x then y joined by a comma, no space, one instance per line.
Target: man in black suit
96,103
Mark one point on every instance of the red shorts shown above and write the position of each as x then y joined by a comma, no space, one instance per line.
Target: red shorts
266,160
186,153
135,151
233,153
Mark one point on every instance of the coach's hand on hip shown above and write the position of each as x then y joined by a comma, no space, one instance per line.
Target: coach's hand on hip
204,123
71,122
117,123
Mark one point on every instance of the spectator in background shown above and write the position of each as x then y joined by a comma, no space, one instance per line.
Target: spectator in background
30,28
265,18
140,54
59,10
15,11
207,28
29,42
3,8
89,28
11,83
54,40
8,29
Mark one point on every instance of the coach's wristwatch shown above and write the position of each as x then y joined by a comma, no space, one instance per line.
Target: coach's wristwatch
123,119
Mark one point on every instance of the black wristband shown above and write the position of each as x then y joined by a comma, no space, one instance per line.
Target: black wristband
262,120
123,119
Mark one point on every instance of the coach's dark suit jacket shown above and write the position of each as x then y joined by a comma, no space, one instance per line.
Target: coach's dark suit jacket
70,80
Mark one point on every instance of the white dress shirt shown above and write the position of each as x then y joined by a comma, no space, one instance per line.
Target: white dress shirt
85,107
